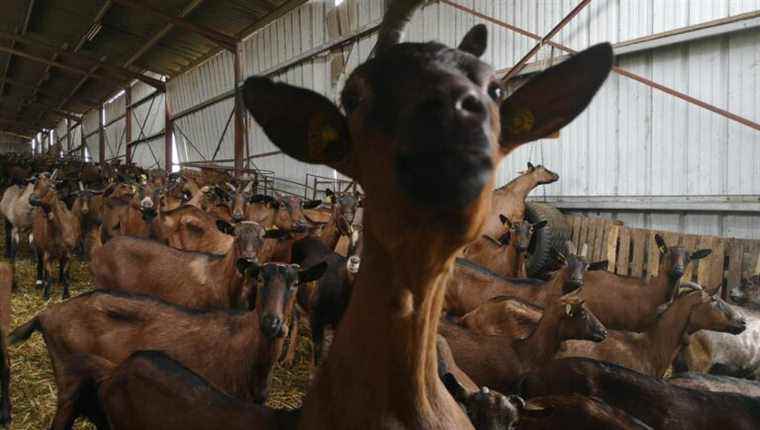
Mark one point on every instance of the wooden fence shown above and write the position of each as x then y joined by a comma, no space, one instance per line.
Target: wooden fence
633,251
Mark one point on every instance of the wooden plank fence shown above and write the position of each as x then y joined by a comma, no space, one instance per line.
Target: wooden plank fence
633,251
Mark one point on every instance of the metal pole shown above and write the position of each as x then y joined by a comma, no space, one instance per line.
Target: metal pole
168,133
239,131
616,69
128,123
101,136
68,135
549,36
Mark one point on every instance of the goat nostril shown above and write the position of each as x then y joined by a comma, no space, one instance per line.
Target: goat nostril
470,104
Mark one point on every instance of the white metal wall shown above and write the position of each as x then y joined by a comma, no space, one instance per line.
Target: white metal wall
632,141
115,132
90,124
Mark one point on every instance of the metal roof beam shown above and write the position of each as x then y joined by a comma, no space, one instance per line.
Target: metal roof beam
70,69
224,40
27,18
128,74
12,82
187,10
13,133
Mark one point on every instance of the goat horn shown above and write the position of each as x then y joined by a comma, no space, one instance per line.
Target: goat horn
81,186
396,18
232,187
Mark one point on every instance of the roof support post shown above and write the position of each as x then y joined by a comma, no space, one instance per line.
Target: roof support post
239,113
168,133
128,123
101,137
68,135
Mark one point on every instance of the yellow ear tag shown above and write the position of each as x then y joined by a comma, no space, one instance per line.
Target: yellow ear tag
521,121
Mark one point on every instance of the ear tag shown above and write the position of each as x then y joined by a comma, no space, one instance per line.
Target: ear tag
521,121
663,250
569,309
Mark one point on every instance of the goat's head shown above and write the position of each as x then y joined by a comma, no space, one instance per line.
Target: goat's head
423,126
714,314
276,290
577,321
675,259
248,243
519,233
541,174
241,195
747,293
486,409
576,267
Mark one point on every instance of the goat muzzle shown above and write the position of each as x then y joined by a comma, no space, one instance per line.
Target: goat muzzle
272,326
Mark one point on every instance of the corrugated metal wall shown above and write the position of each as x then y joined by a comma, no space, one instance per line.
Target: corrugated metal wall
115,136
632,141
91,124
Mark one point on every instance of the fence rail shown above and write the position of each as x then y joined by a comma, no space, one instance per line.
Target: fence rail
633,251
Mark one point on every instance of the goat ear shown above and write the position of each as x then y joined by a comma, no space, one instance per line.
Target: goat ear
539,225
554,98
475,41
225,227
454,387
536,412
661,244
504,220
598,265
702,253
312,273
303,124
531,167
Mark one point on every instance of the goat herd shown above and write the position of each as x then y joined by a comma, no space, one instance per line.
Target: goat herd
201,282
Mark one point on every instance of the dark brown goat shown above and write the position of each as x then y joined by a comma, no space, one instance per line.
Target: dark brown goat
652,351
652,400
88,208
497,361
150,390
113,325
716,383
190,279
56,235
6,285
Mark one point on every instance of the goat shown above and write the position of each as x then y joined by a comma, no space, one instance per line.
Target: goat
192,229
190,279
113,325
716,384
497,361
56,235
18,214
427,174
509,200
471,285
627,303
652,400
150,390
502,315
88,208
6,285
326,303
490,410
652,351
343,213
747,293
724,353
505,255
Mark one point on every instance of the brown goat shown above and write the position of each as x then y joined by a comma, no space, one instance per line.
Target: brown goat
503,315
6,285
497,361
507,254
56,235
190,279
470,285
628,303
652,351
150,390
192,229
425,156
234,351
716,384
509,200
88,208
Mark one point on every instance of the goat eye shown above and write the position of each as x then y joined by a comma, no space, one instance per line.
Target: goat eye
495,92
